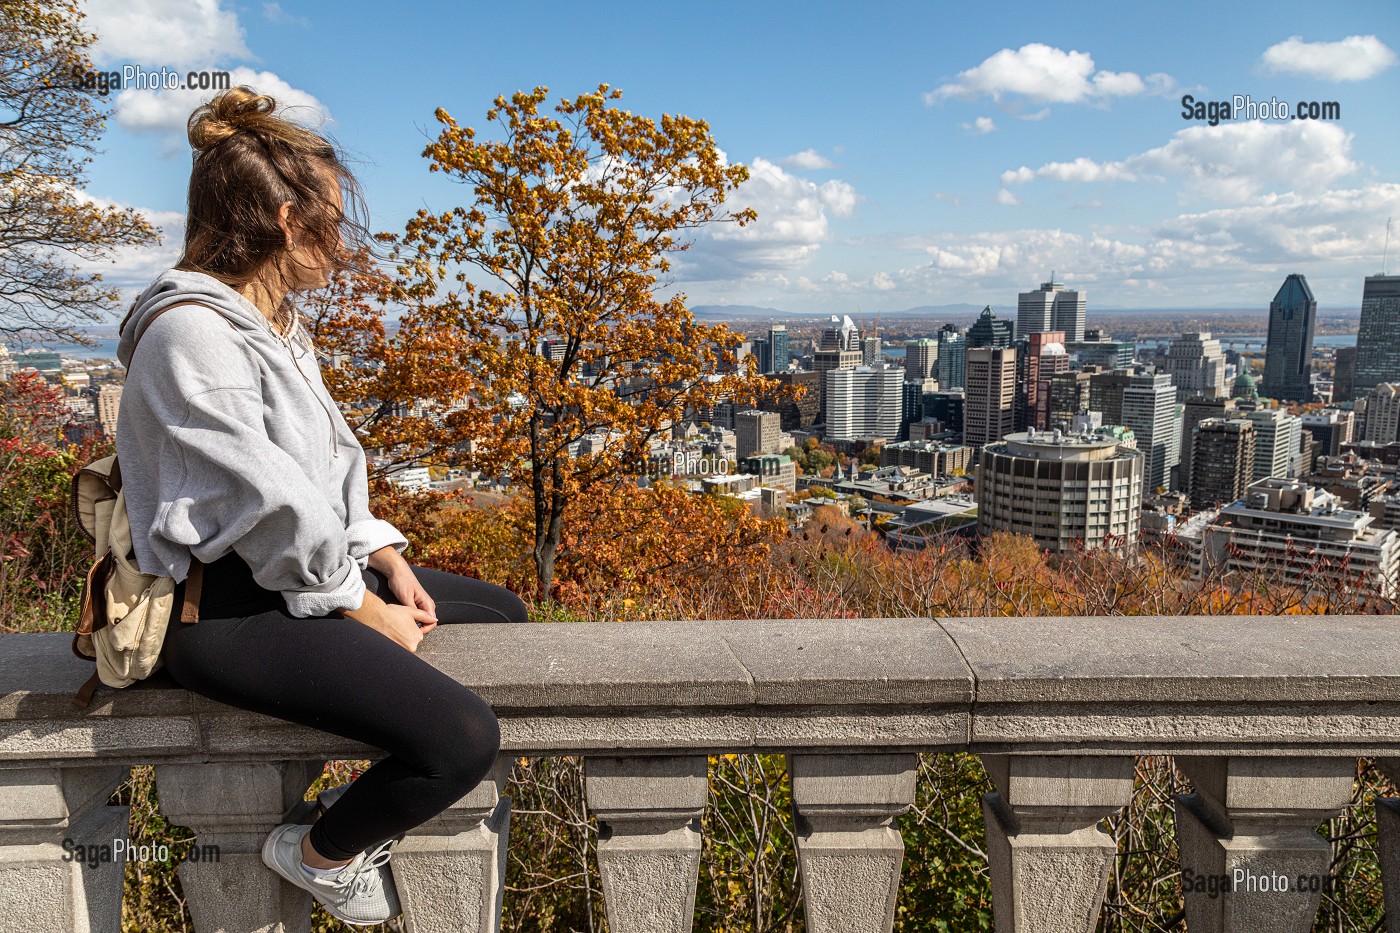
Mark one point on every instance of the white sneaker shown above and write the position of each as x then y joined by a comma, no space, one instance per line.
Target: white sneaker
362,893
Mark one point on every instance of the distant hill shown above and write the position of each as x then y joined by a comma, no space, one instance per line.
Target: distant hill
748,312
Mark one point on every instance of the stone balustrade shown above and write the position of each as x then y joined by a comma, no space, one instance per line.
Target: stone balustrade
1266,716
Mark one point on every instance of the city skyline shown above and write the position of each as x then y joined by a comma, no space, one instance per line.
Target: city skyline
897,160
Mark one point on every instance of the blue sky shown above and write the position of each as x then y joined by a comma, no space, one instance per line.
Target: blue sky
902,154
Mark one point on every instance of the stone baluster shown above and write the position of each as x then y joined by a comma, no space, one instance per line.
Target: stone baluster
1388,844
849,854
648,810
451,870
62,849
1251,860
232,807
1050,862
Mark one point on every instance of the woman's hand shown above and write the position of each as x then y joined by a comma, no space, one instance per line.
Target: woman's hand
402,624
404,585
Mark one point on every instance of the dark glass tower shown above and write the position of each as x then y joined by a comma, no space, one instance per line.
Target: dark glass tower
989,331
1378,343
1288,355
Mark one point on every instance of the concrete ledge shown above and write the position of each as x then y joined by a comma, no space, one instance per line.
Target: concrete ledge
1324,685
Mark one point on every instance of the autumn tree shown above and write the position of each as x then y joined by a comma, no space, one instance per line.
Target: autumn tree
50,122
574,219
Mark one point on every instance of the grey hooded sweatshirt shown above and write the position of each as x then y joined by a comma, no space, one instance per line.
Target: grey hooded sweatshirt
229,441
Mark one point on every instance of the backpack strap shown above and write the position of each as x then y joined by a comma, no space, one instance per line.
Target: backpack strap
194,585
83,697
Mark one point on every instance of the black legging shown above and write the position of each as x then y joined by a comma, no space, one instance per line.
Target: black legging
340,676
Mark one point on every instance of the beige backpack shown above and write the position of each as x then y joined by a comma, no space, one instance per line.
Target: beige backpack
124,612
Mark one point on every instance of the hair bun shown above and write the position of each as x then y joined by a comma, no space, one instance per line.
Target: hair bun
239,108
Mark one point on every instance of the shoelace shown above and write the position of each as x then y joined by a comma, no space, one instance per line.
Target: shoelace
358,877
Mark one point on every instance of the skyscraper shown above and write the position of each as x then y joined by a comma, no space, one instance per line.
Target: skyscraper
840,348
1288,354
1276,438
920,359
1197,366
1383,413
1051,307
989,331
1195,410
990,396
1378,341
1039,355
778,348
952,358
1222,462
1344,375
1150,409
864,402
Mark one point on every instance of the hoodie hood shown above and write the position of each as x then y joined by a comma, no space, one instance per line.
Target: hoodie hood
177,285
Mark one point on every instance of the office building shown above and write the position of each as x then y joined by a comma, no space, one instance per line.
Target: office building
920,359
1303,535
1102,353
840,347
1197,366
1330,429
1383,413
1067,397
932,457
1064,490
1106,395
871,352
1378,338
952,358
989,331
1276,440
799,412
1051,307
864,402
109,401
1193,411
1344,374
947,408
989,410
1222,461
777,349
1039,355
776,470
1288,353
756,432
1150,409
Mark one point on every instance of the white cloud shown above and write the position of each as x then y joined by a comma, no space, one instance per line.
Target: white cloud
153,33
184,35
1354,58
808,159
882,282
1007,198
1237,253
145,111
132,268
1044,74
1231,162
793,222
981,126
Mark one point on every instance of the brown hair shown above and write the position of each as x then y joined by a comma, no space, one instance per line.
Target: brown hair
248,162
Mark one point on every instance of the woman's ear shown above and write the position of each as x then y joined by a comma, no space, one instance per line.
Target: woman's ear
284,213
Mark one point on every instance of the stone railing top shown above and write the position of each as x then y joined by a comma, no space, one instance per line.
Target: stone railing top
1142,684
